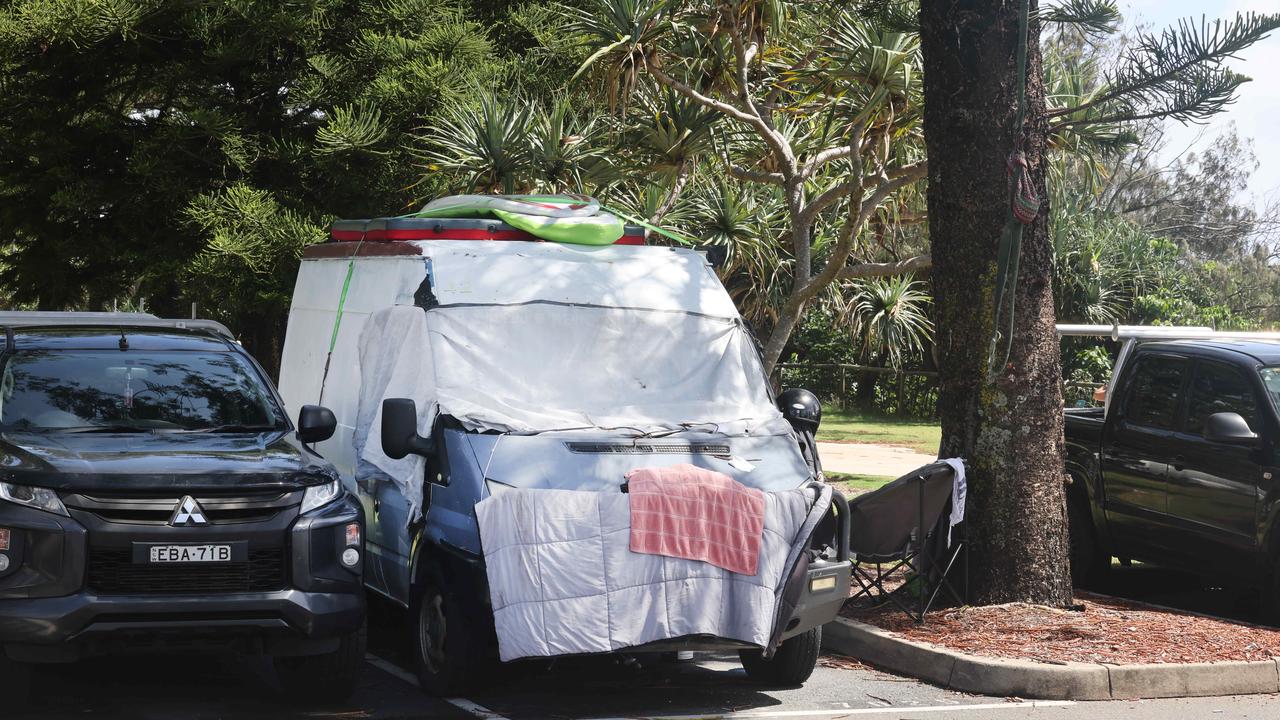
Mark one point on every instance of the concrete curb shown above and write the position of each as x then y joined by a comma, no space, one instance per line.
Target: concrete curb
1047,681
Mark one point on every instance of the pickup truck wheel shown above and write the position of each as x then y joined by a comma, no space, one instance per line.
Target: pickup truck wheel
326,678
1271,594
446,657
791,664
1089,563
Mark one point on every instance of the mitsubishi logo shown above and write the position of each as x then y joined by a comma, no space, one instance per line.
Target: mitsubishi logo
188,512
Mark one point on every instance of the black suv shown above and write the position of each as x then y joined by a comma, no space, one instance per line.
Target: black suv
153,495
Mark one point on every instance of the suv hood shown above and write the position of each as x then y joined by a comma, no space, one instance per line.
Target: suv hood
155,461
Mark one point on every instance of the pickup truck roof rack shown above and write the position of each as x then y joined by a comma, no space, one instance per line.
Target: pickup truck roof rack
17,319
1130,335
1162,332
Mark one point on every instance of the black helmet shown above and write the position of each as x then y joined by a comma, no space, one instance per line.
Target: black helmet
801,408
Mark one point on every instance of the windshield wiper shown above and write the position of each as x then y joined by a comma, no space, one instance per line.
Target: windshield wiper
233,428
108,429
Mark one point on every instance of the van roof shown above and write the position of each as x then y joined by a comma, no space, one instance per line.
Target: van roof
443,272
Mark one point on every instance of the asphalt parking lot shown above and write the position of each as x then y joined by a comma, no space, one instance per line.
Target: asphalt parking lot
227,688
204,688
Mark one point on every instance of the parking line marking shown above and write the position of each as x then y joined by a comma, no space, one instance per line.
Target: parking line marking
462,704
845,712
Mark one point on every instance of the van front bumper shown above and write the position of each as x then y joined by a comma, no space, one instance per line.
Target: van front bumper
826,587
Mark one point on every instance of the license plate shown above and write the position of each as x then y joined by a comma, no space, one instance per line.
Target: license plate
190,553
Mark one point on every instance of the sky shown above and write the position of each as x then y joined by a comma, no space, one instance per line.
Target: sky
1256,112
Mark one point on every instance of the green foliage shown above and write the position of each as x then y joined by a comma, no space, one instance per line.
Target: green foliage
178,152
1178,74
1090,17
891,315
513,144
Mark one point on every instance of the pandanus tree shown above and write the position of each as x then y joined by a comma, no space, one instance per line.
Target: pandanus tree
816,109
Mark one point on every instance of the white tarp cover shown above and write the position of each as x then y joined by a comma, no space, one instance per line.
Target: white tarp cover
563,579
532,368
539,367
507,273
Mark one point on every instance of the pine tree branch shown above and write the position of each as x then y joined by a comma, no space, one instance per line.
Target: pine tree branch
886,269
1182,60
755,176
779,146
826,156
897,177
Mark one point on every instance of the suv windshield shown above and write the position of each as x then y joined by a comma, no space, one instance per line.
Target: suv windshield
114,391
1271,379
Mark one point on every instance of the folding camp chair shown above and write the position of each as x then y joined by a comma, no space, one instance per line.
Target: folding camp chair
901,532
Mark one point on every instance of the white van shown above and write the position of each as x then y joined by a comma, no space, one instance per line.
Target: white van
460,368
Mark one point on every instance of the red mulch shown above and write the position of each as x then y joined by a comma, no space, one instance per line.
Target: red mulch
1105,630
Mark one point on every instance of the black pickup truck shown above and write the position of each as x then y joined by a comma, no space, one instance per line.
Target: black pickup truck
1180,469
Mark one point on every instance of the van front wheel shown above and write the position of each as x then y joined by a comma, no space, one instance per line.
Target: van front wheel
445,652
792,663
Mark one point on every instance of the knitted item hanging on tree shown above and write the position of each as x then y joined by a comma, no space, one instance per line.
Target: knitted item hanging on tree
1025,201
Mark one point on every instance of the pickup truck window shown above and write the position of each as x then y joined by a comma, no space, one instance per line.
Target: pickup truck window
1155,392
1271,379
114,391
1219,388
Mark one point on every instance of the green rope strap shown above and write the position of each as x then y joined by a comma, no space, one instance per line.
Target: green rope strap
337,318
650,226
1024,206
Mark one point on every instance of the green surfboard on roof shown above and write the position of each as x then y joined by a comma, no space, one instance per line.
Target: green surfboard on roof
571,219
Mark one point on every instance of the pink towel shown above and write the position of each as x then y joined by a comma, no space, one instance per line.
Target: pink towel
686,512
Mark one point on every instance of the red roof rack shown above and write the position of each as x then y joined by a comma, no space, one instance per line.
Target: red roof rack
397,228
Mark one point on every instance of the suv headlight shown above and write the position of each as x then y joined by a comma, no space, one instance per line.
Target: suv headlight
36,497
317,496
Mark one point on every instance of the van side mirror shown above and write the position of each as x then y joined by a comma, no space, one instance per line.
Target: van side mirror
316,424
1229,427
400,429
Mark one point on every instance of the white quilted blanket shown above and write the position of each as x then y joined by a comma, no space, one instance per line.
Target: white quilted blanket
564,581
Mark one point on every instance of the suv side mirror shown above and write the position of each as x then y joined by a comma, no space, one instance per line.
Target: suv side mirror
1228,427
316,424
400,429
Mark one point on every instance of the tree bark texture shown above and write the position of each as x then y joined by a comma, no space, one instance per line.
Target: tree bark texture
1007,424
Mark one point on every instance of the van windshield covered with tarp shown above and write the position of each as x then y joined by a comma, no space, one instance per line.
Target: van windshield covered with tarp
545,338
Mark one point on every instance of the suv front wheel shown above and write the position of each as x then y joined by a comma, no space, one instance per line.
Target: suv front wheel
328,677
15,682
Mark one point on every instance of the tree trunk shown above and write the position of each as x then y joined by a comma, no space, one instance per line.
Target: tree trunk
1008,427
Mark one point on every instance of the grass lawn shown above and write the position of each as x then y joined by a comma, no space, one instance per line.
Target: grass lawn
857,427
852,484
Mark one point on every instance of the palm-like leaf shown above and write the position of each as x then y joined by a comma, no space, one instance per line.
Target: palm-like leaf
567,150
621,35
891,316
485,145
